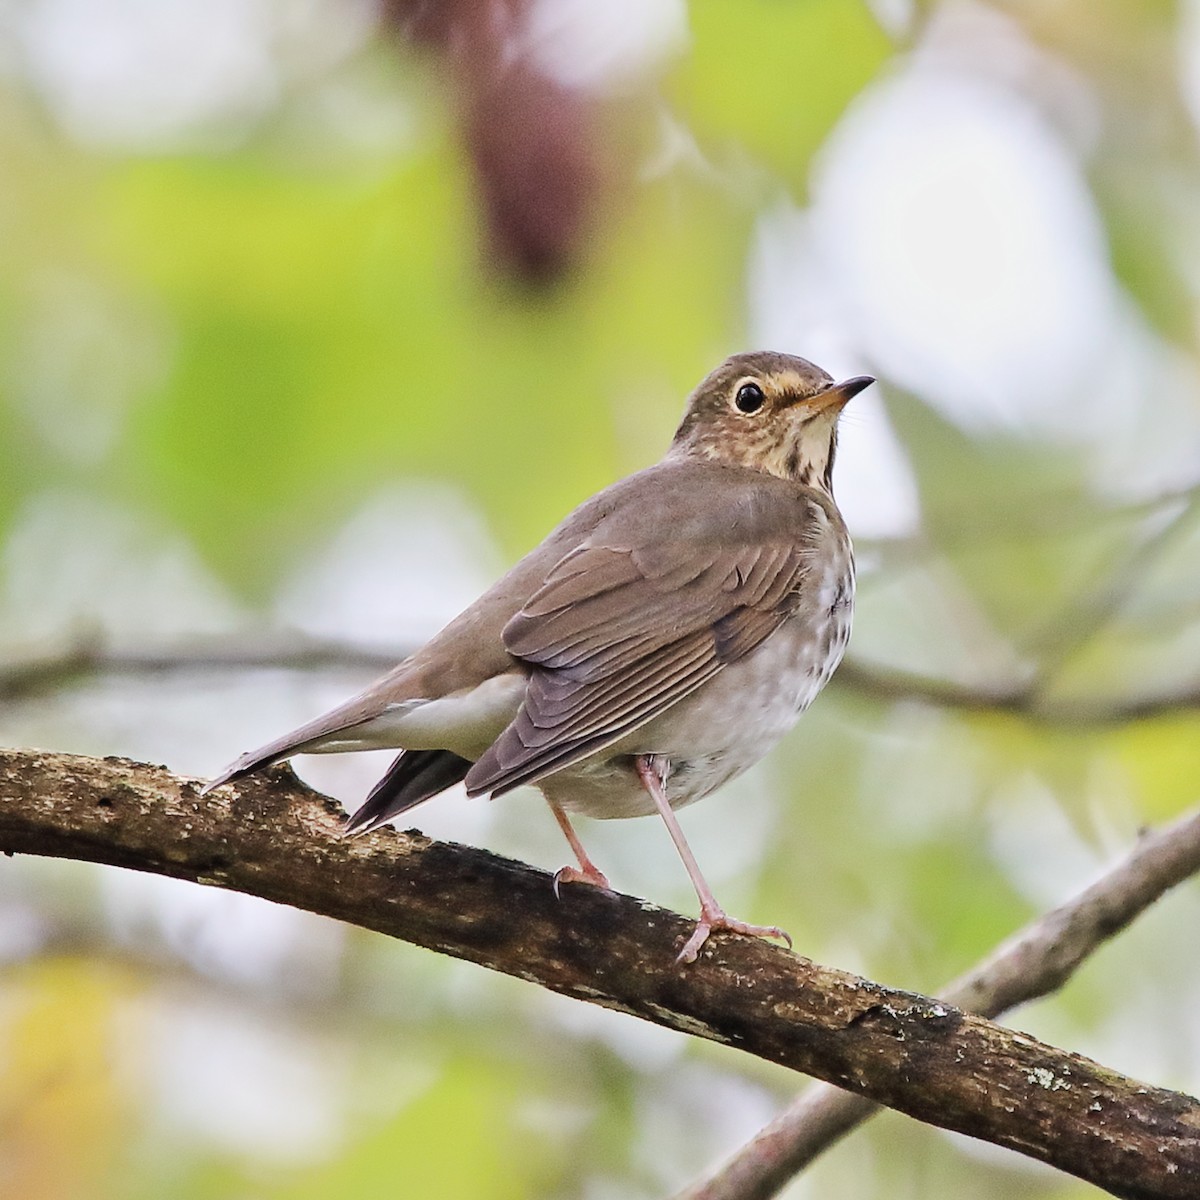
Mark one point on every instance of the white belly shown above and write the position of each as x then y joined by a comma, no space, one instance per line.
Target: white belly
720,730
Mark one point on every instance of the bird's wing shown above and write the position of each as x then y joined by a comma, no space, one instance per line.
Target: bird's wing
619,633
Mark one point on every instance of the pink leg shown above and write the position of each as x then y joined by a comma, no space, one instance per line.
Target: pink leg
712,916
587,871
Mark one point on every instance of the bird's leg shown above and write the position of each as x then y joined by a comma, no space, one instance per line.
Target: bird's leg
587,871
652,770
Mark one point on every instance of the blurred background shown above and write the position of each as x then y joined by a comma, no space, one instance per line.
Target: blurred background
315,314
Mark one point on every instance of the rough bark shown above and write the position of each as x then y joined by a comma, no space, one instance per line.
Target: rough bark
274,838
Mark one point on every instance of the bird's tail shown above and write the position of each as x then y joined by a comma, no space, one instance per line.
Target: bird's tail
414,776
247,764
365,722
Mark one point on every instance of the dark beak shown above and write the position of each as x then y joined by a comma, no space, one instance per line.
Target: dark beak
838,394
851,387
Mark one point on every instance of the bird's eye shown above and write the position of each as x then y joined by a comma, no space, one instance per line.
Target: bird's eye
749,398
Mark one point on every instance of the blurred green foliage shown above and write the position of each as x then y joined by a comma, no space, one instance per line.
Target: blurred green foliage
223,347
772,85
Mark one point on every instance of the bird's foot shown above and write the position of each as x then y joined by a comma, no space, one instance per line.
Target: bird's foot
589,874
713,919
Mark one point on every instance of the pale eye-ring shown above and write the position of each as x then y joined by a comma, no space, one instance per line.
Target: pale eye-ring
749,398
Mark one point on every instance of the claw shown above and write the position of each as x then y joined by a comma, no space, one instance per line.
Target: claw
715,919
576,875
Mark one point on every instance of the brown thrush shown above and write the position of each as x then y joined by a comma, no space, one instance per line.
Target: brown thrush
656,644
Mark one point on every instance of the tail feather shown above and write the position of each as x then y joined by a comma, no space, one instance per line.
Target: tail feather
414,776
359,724
312,736
253,761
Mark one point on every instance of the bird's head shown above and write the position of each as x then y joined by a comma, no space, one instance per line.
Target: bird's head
770,412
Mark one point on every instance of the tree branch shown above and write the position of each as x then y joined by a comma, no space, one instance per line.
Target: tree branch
1023,699
1034,962
274,838
87,657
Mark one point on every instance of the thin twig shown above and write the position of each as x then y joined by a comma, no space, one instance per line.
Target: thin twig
1059,641
61,667
1022,699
